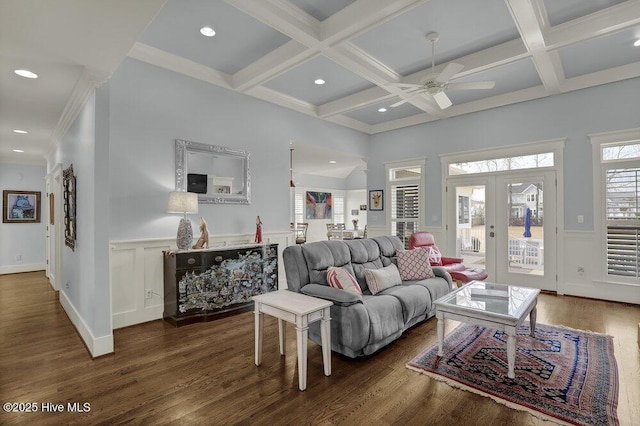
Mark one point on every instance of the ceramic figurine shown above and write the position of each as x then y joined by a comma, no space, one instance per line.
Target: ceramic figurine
203,241
258,239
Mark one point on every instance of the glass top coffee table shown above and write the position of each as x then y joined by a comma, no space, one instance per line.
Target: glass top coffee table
499,306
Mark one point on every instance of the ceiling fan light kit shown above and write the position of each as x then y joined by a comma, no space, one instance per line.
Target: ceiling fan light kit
434,84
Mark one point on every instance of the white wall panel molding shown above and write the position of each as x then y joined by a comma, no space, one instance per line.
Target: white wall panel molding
137,267
581,271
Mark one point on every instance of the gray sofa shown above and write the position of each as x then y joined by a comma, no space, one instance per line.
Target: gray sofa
361,325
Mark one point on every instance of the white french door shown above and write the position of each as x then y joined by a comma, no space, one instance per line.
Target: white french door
506,223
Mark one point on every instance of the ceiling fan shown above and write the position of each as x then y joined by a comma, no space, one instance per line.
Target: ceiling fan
435,84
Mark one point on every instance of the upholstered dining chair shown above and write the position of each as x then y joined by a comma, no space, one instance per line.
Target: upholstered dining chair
453,265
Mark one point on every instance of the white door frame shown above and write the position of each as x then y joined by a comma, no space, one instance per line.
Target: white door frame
496,222
54,245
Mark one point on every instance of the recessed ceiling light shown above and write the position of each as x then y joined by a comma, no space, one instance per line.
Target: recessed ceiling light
19,131
26,73
319,82
18,150
382,110
332,161
207,31
637,43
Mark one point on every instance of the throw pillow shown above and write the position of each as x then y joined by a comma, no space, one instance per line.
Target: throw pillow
341,278
435,257
380,279
414,264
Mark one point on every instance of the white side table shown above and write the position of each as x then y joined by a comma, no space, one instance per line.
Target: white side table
300,310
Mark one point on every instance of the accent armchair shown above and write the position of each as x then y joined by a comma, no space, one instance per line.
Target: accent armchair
453,265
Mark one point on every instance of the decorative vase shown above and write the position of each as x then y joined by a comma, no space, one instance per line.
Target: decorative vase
185,234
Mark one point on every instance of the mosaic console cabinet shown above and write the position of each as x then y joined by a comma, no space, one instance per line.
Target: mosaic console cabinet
202,285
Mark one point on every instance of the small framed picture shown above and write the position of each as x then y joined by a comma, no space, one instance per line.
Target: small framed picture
20,206
376,199
363,207
355,212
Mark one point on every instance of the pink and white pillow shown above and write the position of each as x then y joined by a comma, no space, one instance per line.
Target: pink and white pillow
415,264
380,279
341,279
435,257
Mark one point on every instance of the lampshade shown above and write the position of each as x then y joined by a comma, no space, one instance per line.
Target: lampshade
182,202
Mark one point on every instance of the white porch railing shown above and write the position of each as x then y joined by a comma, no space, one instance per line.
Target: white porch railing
526,253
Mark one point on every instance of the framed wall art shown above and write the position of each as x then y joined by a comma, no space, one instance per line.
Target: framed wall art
318,205
69,189
20,206
376,199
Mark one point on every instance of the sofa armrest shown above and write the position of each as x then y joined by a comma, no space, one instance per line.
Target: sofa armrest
337,296
440,271
449,260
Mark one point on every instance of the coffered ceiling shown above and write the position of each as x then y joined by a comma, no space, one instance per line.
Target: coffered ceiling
274,50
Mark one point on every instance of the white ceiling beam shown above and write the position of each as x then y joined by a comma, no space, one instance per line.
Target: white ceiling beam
526,14
166,60
607,76
272,64
483,60
361,63
606,21
362,15
358,100
347,23
281,99
550,70
352,123
284,17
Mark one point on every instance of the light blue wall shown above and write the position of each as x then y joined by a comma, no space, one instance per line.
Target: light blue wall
24,239
572,115
85,279
151,107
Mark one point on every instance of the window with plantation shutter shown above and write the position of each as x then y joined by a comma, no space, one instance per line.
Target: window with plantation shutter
404,184
623,221
338,209
620,174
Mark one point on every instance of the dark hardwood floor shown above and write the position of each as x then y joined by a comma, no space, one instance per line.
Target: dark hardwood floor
204,373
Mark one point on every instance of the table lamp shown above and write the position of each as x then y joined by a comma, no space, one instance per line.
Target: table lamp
183,202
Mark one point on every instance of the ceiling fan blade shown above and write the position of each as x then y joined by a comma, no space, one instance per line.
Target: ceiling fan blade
404,85
442,100
448,72
472,85
407,99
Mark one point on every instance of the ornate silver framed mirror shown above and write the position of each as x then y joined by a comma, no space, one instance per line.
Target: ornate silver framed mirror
218,174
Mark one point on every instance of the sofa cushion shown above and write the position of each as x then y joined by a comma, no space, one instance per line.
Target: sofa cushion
415,300
414,264
379,279
341,279
321,255
385,317
365,254
388,248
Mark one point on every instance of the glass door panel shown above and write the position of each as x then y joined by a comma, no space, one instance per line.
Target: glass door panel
525,236
470,225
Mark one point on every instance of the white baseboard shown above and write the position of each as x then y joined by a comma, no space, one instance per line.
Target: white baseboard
97,346
27,267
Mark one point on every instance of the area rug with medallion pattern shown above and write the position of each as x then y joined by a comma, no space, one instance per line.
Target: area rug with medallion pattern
564,375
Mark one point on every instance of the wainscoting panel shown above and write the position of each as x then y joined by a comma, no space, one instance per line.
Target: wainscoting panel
137,281
581,252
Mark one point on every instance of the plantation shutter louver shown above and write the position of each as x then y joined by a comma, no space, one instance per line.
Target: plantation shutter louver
623,222
405,209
